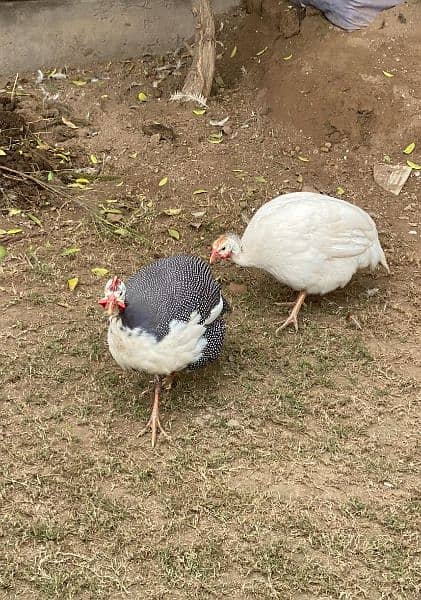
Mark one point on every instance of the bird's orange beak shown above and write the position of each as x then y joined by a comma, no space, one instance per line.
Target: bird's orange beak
214,256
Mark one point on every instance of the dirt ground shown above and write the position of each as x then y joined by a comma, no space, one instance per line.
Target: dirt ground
293,470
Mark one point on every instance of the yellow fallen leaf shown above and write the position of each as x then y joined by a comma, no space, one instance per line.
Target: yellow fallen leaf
79,82
99,271
69,123
303,158
70,251
2,152
50,176
163,182
174,234
13,231
262,51
82,180
142,97
133,155
172,211
196,192
233,52
93,159
80,186
340,191
72,283
14,211
387,74
35,220
413,165
260,179
119,184
410,148
287,57
199,111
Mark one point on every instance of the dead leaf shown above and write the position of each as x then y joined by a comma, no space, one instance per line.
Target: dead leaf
93,159
99,271
200,191
287,57
14,211
142,97
72,283
262,51
171,212
413,165
12,231
303,158
79,82
387,74
163,182
174,234
215,138
340,191
410,148
233,52
198,214
70,251
69,123
260,179
220,123
3,253
2,152
199,111
34,219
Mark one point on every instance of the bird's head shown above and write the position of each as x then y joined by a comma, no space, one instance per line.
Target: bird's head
114,296
224,247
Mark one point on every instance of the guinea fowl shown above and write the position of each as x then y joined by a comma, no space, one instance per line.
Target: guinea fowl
311,242
167,318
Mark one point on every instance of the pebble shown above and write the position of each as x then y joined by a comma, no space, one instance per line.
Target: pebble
233,423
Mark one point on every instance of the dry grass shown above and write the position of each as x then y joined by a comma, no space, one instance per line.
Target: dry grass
293,471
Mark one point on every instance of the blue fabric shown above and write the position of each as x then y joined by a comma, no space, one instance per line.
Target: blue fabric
349,14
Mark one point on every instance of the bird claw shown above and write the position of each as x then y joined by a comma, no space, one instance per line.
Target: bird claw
154,424
291,320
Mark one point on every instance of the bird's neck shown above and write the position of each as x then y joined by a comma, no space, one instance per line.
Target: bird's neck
241,258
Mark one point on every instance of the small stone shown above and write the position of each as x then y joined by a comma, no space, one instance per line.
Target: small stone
155,139
324,149
233,424
328,145
300,179
391,178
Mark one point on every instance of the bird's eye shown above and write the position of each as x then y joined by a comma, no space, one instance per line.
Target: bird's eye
223,248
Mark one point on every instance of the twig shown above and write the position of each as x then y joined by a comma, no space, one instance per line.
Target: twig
14,87
63,194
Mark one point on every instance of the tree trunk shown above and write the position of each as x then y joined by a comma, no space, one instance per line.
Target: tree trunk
254,6
200,77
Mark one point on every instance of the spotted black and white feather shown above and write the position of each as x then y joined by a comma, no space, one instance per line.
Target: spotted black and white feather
172,319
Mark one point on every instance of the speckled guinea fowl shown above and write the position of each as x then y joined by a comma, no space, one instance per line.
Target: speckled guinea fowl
167,318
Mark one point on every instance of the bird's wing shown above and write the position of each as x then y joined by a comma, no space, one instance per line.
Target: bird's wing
172,289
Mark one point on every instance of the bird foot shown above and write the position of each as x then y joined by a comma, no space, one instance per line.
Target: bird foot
291,320
154,424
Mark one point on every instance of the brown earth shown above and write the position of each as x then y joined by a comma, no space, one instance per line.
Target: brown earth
293,470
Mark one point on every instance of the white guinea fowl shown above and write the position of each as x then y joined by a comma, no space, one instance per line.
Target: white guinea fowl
310,242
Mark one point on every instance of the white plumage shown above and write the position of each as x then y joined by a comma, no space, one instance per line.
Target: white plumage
310,242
